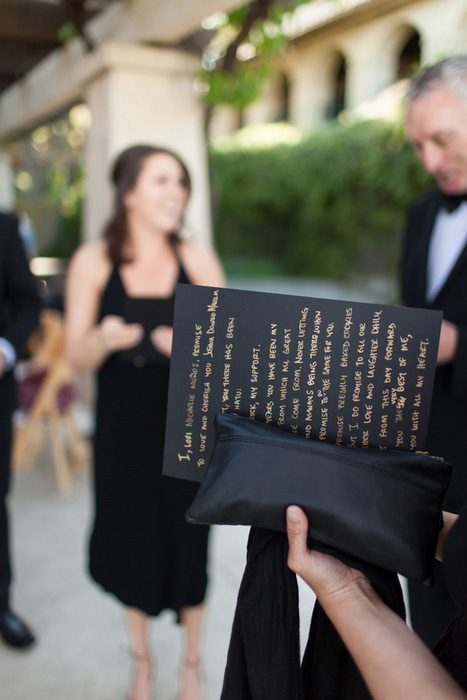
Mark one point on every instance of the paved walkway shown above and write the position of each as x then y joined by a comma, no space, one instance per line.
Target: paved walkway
82,648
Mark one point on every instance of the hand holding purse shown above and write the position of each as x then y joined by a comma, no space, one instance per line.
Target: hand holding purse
382,506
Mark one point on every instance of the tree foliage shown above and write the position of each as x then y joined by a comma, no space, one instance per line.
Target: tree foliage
238,60
331,205
49,179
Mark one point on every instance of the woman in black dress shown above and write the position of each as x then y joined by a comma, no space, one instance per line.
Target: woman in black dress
142,550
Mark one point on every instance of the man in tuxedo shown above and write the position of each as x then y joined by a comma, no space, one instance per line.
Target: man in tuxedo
434,276
19,312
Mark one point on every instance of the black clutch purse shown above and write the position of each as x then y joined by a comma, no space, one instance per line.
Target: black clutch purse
382,506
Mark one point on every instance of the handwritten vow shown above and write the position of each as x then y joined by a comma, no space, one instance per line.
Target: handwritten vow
350,373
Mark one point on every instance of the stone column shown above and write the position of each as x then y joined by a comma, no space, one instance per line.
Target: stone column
143,95
369,71
309,92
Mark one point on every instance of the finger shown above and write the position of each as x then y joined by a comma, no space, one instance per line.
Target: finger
136,330
132,335
297,530
157,336
124,337
162,339
112,320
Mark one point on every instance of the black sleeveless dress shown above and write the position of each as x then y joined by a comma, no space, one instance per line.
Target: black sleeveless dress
142,550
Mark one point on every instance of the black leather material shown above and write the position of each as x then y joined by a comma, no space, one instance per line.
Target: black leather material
382,506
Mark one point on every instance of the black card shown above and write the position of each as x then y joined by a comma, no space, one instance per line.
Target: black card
350,373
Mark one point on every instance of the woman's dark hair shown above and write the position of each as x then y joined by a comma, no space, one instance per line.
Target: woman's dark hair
125,173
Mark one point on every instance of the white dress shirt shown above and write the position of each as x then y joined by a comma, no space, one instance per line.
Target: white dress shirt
10,353
447,243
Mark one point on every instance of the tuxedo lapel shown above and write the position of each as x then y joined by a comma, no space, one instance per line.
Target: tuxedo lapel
426,225
459,267
3,237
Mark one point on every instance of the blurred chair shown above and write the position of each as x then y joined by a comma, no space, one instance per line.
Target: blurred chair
46,396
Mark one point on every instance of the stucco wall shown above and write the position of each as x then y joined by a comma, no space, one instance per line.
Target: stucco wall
371,49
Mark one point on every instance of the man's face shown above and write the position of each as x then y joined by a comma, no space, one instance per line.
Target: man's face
436,126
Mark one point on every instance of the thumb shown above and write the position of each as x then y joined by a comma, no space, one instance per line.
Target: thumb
297,531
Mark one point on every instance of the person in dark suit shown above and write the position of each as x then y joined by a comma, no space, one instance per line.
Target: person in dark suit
19,313
434,276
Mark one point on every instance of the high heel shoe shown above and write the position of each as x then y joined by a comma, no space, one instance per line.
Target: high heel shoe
192,681
140,688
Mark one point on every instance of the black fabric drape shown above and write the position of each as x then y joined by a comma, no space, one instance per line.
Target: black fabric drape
263,661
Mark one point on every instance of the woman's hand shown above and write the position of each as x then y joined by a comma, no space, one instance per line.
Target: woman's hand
394,662
326,575
118,335
448,341
162,337
2,364
448,521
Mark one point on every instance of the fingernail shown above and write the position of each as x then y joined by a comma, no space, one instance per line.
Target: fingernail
292,514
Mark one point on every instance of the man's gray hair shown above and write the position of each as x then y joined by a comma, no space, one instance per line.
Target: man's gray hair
450,73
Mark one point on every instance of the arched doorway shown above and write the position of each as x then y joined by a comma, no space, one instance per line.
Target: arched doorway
409,56
338,88
282,98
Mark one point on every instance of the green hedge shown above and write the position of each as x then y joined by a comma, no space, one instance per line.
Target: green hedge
332,205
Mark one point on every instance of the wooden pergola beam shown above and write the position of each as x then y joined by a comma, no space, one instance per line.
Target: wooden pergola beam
56,82
29,31
13,55
16,61
26,22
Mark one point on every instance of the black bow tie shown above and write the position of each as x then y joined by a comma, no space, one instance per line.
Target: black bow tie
451,201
